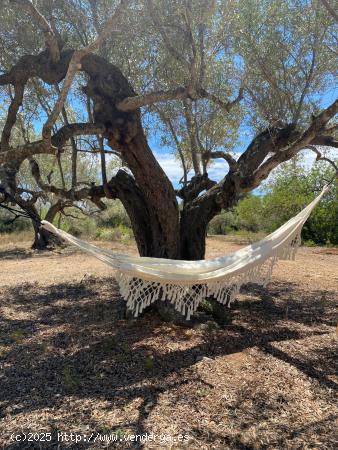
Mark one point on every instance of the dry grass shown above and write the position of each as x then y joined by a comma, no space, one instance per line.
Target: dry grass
11,240
264,380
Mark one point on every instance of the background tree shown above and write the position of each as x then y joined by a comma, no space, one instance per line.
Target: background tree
65,173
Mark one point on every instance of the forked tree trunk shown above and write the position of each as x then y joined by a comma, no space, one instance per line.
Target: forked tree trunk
150,199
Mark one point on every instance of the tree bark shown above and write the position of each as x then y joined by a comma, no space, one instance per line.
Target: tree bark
132,198
43,239
197,214
192,235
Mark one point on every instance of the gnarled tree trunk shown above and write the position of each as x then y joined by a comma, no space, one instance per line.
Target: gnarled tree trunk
43,239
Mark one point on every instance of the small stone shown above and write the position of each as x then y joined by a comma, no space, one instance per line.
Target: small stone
201,326
213,325
201,358
207,326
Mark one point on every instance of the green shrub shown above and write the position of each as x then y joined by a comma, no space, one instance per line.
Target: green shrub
222,223
249,213
84,226
113,216
309,243
288,193
20,224
121,233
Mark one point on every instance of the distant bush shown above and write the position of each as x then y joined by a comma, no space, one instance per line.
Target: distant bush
121,233
20,224
113,216
249,214
291,191
83,226
112,224
223,223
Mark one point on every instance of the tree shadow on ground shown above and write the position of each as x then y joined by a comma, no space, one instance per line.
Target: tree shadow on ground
21,253
73,343
17,253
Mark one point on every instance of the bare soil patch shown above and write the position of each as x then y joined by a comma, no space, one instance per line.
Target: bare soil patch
266,379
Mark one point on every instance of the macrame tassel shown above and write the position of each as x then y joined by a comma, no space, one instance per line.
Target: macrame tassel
139,293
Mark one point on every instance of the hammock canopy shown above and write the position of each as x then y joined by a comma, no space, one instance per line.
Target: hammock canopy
143,280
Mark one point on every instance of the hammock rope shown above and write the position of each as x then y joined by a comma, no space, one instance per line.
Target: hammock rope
144,280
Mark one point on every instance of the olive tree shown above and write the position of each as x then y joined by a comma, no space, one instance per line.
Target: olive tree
202,68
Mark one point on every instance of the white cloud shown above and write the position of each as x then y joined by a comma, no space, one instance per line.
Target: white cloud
309,156
218,169
170,165
174,171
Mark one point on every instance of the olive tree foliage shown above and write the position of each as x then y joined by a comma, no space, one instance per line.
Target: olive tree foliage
101,76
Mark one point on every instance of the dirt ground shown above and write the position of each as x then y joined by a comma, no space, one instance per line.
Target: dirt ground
266,378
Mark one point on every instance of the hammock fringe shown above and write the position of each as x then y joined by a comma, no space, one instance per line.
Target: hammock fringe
139,293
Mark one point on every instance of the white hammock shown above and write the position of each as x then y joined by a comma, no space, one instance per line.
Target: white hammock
143,280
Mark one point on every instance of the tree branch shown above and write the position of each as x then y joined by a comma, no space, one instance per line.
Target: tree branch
132,103
226,106
75,129
323,158
21,152
306,86
58,140
225,193
270,140
331,10
11,116
309,136
165,37
172,131
201,31
73,144
180,93
190,125
233,164
75,65
51,40
194,187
